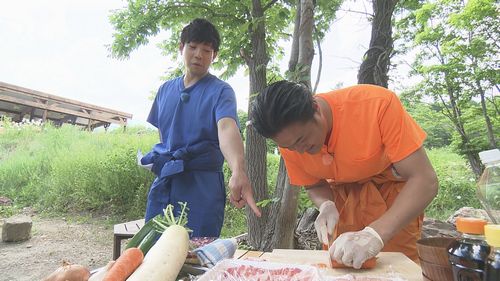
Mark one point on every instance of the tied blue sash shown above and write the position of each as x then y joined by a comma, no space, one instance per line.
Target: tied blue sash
166,164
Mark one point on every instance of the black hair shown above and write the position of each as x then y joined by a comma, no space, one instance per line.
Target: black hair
201,31
279,105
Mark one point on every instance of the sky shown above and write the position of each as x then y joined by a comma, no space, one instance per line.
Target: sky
60,47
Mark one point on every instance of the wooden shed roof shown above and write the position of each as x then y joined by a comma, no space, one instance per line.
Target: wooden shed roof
16,102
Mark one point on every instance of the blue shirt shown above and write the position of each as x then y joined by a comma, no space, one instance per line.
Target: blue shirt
188,161
192,122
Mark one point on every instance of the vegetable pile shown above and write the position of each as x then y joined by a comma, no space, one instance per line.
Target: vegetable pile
151,231
163,260
155,253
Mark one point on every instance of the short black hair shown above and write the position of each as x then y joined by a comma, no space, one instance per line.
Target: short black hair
279,105
201,31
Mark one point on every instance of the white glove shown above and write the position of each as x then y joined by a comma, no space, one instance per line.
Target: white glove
148,167
354,248
326,221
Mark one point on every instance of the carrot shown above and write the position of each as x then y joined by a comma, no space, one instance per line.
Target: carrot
125,265
369,263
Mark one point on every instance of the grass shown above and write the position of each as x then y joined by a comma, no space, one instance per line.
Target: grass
69,171
457,184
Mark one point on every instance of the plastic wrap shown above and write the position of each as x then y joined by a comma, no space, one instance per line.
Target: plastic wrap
350,277
253,270
245,270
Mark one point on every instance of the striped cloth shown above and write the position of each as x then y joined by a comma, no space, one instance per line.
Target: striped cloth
210,254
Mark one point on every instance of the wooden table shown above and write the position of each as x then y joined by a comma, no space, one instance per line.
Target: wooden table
124,231
387,262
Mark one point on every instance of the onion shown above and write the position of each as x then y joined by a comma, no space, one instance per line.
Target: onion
69,272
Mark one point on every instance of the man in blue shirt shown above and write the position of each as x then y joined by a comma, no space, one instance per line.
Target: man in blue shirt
197,121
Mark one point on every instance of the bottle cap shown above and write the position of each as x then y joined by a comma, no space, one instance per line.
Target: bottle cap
471,225
492,233
489,156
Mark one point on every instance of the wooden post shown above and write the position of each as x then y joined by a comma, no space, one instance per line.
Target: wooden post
32,114
45,112
89,125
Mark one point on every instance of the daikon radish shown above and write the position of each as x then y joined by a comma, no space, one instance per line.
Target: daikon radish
164,260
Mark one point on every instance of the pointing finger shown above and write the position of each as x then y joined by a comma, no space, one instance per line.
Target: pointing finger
251,203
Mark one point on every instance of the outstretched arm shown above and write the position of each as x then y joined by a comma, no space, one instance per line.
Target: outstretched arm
421,187
231,145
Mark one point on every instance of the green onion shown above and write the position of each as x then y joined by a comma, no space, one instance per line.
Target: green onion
163,222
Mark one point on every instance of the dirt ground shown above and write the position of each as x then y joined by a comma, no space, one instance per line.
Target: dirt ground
87,243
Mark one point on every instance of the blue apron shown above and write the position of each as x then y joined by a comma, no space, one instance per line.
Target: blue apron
188,176
188,162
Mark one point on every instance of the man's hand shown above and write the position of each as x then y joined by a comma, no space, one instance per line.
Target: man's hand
354,248
241,192
326,221
231,146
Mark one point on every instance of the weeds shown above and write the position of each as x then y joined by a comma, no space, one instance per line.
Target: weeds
68,170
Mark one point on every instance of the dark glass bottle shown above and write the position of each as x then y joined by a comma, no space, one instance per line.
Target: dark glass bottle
469,253
492,270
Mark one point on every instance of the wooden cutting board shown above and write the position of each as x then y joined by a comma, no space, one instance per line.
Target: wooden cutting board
387,263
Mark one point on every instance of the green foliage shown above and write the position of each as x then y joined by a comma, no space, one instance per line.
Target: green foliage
264,203
242,119
236,22
235,221
67,169
250,31
439,130
456,58
476,129
273,165
7,211
304,201
143,19
457,184
271,146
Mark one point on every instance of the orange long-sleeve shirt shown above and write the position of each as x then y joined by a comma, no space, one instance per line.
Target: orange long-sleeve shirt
370,131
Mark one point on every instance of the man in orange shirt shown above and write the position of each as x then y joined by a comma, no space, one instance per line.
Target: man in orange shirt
360,157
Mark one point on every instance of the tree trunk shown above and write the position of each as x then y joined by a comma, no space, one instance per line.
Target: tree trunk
284,212
306,47
455,115
489,127
376,60
294,53
255,144
276,226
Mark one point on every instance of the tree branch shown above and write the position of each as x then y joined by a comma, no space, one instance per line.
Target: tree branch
245,56
268,5
207,8
320,66
357,12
